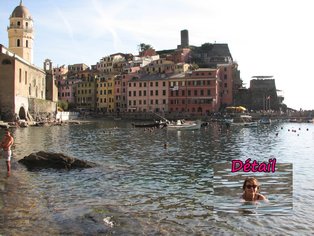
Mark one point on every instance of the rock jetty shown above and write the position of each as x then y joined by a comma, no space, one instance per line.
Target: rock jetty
42,160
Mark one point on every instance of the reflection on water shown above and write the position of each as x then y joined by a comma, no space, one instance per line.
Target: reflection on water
144,188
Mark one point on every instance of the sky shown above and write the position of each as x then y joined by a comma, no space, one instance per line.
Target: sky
265,38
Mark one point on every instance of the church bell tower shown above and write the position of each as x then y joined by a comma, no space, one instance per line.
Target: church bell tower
20,33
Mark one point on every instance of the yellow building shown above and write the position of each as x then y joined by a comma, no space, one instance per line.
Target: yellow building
105,93
86,94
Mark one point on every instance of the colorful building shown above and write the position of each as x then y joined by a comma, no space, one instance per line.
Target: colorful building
148,93
105,93
195,92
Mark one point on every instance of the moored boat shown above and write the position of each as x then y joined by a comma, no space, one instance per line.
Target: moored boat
156,124
245,121
265,120
184,125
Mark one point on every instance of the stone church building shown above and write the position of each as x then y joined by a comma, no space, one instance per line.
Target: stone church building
26,91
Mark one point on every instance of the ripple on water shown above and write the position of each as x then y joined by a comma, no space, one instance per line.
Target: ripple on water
186,188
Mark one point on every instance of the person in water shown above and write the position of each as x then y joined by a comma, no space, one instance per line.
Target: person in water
6,143
250,190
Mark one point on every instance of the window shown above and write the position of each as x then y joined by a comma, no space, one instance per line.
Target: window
156,92
20,75
6,62
25,77
18,43
27,43
151,93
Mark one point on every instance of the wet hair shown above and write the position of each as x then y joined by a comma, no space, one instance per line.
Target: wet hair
250,179
6,130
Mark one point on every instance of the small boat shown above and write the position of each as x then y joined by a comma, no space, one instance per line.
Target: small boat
265,121
184,125
246,121
156,124
228,120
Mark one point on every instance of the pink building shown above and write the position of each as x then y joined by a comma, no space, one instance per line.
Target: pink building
230,82
121,91
194,92
148,93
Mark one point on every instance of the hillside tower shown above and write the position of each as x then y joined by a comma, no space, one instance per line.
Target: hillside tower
184,38
21,34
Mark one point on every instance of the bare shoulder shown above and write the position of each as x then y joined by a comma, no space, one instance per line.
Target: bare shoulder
261,197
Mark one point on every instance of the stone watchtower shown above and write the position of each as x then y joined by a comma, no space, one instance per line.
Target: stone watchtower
184,38
21,34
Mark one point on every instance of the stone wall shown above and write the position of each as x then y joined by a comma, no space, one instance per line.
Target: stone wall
39,108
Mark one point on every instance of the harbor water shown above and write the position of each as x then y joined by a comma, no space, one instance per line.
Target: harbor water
159,182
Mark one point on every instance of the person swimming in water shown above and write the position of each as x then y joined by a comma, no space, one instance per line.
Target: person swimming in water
250,190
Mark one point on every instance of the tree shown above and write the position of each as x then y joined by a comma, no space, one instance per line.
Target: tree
63,104
194,66
207,47
143,47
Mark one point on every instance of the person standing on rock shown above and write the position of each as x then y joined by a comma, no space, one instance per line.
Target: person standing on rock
6,143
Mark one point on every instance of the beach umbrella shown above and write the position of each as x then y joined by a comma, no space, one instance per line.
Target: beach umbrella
241,108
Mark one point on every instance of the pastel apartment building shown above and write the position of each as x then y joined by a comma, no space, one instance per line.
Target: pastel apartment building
194,92
106,64
121,91
230,82
148,93
105,93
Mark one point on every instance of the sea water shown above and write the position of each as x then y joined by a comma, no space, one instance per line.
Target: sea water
143,187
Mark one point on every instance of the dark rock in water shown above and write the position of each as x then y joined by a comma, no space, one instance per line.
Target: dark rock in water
54,160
